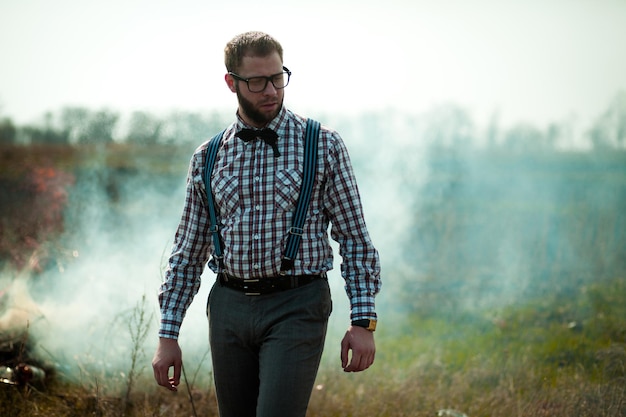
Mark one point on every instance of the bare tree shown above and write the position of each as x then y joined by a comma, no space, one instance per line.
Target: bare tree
8,132
144,129
609,130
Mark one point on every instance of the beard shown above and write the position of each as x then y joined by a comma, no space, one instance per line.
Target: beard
255,115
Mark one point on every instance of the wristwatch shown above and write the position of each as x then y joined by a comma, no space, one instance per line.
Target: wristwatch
365,323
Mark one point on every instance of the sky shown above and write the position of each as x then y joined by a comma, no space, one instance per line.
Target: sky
536,61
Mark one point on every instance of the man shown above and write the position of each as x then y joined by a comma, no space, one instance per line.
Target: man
267,334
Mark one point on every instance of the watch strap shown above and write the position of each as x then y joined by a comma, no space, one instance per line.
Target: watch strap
365,323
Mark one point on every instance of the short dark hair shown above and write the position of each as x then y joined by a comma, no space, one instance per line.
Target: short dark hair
251,43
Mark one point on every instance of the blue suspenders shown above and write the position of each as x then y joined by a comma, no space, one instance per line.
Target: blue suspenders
297,224
211,154
296,229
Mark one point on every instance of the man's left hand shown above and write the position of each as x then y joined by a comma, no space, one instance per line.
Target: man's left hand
361,342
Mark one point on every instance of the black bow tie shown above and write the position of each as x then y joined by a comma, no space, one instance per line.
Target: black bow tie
266,135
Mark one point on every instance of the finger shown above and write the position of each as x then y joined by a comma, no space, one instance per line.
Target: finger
360,362
156,369
155,372
163,378
354,364
344,354
172,385
368,360
175,380
161,375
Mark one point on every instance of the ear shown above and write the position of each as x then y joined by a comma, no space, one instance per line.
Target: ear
230,82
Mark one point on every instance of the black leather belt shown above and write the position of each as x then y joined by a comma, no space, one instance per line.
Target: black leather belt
269,285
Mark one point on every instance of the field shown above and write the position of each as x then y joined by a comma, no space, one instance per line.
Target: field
504,291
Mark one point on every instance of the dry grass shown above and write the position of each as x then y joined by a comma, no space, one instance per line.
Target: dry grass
528,363
418,391
479,391
71,401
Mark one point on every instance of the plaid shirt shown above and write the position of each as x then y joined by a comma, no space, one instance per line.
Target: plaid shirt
256,195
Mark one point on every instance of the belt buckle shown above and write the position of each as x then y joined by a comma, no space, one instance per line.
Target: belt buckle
245,287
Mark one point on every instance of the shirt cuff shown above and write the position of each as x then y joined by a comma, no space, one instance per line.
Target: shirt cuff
363,307
170,328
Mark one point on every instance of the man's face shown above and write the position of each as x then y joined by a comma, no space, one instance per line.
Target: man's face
258,109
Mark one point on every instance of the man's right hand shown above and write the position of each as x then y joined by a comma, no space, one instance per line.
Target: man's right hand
167,355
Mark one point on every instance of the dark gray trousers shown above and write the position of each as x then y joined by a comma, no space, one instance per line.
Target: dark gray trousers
266,349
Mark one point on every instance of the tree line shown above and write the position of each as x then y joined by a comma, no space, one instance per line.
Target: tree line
448,126
80,125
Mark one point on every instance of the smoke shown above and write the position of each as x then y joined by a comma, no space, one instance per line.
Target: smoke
470,223
119,225
459,228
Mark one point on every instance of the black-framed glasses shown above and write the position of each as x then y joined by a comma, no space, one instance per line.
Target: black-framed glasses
258,84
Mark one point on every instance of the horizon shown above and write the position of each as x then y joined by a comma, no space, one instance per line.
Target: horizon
518,62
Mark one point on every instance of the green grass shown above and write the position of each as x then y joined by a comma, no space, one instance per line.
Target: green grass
557,356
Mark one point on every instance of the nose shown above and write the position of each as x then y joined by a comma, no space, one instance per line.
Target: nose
270,90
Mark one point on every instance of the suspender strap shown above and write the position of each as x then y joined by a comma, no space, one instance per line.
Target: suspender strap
211,154
310,164
296,230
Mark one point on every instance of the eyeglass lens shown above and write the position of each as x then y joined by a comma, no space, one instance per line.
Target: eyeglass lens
258,84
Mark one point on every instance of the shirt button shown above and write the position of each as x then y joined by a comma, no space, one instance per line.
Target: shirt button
257,207
256,236
255,266
257,179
